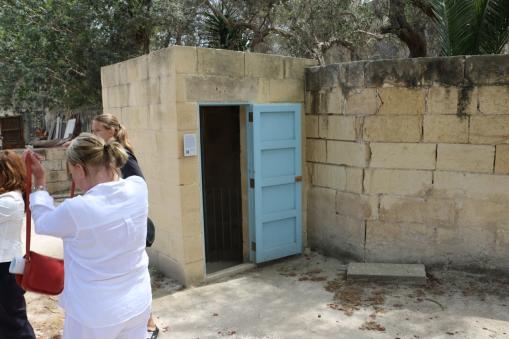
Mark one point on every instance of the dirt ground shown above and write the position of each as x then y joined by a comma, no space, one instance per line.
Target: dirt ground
308,297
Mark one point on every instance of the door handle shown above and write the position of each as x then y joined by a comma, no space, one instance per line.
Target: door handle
298,178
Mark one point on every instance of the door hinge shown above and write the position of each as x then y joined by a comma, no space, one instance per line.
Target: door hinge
250,116
253,246
251,183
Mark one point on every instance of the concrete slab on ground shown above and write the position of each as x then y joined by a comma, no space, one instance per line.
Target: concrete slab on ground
385,272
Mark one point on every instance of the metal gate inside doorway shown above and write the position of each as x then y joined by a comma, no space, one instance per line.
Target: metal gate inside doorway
221,186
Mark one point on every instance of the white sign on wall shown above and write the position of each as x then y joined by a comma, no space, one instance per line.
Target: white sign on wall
189,145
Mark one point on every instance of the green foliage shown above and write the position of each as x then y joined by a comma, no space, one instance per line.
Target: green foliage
221,30
470,27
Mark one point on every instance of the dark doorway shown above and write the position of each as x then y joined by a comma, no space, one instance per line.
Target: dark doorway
221,180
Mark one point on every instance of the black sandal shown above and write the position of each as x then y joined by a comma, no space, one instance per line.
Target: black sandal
153,334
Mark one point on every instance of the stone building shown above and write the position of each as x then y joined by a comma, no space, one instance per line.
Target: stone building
396,161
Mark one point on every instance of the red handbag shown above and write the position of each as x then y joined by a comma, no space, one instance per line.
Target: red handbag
42,274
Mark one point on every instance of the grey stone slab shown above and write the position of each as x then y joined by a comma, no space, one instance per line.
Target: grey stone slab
399,273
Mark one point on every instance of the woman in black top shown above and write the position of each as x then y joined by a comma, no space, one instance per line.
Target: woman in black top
108,127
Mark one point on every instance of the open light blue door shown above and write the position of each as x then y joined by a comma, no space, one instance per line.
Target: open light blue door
276,181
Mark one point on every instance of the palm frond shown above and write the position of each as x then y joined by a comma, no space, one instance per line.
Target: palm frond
455,20
493,28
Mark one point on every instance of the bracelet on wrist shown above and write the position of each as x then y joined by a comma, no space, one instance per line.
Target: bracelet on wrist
39,188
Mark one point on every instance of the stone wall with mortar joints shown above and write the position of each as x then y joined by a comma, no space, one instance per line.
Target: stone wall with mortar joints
429,138
157,97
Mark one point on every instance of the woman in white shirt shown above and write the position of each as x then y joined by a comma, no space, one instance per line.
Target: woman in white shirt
13,316
107,291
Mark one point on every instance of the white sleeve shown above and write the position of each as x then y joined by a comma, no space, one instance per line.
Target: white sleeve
51,220
8,207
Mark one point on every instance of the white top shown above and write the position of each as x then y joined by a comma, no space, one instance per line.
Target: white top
104,234
12,209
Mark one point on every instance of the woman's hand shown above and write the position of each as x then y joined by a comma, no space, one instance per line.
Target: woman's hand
38,170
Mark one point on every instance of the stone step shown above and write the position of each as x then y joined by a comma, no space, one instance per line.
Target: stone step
382,272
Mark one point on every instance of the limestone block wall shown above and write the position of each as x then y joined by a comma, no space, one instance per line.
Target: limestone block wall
157,96
409,160
54,162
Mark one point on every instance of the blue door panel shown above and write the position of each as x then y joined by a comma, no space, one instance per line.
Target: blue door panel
276,165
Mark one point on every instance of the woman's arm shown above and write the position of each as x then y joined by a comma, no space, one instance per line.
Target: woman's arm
51,220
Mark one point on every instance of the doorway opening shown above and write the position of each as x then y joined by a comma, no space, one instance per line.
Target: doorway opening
220,138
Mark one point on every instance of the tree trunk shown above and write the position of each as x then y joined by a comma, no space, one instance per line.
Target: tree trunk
399,26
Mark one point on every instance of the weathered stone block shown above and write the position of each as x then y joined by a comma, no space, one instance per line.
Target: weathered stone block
295,67
397,181
330,101
187,116
351,74
489,129
221,62
308,102
193,248
445,128
465,158
487,69
55,176
312,78
217,88
312,126
446,71
122,73
404,156
184,59
397,72
443,100
494,99
109,76
338,127
483,214
502,159
393,128
138,93
354,179
476,186
329,76
162,118
316,150
347,153
362,102
264,66
401,101
53,165
329,176
137,69
398,242
285,90
417,210
160,63
358,206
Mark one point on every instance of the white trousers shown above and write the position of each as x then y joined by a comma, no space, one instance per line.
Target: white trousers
134,328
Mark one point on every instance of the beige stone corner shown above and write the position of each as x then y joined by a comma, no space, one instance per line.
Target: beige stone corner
330,101
109,76
295,67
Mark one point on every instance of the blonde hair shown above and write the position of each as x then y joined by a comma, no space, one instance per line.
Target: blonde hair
12,172
110,121
89,150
